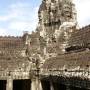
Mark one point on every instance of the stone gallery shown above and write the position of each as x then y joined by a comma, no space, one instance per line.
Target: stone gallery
54,57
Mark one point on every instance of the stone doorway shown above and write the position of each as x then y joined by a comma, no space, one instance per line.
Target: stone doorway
77,88
58,86
22,84
3,84
45,85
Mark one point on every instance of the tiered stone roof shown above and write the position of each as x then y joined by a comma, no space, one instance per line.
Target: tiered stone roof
80,37
69,61
12,56
13,50
75,60
11,42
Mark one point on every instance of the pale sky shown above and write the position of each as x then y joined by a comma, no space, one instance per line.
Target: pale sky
83,12
17,16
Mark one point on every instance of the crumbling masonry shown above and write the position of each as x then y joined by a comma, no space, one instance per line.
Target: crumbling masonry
54,57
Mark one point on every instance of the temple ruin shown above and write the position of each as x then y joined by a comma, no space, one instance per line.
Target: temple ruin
54,57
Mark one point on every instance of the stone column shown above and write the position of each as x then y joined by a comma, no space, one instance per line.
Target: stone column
67,87
9,85
36,84
39,85
51,86
33,84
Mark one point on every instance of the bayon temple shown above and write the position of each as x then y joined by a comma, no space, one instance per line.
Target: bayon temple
54,57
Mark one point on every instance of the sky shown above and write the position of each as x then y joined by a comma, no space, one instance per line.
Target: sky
17,16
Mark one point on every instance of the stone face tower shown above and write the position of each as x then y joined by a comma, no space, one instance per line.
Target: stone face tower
57,19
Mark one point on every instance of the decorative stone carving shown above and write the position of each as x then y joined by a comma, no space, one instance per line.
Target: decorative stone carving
58,17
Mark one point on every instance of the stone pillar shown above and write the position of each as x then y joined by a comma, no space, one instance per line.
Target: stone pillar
51,86
40,85
33,84
67,87
9,85
36,84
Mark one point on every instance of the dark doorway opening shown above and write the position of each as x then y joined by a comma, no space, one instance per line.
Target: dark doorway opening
3,84
77,88
22,84
58,86
45,85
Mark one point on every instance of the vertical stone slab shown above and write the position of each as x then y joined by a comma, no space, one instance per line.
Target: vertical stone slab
40,85
9,85
36,84
33,84
51,86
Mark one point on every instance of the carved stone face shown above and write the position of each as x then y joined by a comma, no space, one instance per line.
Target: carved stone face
67,11
48,1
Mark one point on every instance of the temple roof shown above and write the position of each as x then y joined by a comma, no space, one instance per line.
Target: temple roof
70,61
80,37
11,42
13,64
12,53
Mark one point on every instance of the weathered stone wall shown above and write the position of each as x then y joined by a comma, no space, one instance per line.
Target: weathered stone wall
57,20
